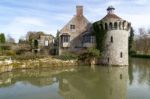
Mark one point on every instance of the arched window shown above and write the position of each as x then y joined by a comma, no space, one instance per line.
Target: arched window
110,25
106,26
36,43
121,54
115,25
101,26
111,39
123,24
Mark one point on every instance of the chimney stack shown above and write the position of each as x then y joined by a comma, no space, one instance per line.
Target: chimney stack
79,10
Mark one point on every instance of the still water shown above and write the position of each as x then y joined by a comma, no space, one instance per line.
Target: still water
86,82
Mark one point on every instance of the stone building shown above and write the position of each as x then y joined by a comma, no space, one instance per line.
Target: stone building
116,40
43,43
78,35
75,35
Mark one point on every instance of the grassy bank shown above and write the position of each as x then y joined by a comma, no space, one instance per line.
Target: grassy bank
140,56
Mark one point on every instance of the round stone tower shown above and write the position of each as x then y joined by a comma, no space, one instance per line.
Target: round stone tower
116,39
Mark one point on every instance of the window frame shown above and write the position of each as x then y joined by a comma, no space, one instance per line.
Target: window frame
72,27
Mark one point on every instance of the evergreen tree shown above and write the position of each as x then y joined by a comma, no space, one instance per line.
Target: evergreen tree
131,40
2,38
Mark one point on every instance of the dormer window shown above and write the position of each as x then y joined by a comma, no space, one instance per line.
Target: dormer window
72,27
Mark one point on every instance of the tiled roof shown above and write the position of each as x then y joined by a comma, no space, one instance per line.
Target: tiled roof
108,16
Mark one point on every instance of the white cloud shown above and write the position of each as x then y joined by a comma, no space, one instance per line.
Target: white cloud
137,20
113,2
21,25
141,2
29,21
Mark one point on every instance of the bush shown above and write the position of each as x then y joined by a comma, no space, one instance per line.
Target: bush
132,52
67,56
7,53
10,53
89,54
140,56
28,56
5,47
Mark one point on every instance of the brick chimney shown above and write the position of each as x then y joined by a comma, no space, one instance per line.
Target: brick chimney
79,10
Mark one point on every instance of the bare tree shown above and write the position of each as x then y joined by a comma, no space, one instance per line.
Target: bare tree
10,39
143,42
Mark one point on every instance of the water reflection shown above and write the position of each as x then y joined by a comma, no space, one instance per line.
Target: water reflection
140,68
103,83
75,83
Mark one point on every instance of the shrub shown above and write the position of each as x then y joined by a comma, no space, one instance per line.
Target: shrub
89,54
140,56
67,56
132,52
28,56
10,53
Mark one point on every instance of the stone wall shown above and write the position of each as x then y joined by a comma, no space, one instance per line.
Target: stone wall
116,51
38,63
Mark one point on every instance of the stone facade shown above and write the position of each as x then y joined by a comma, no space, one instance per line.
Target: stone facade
71,35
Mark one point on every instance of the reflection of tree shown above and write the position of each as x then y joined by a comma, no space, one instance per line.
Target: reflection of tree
36,77
5,79
130,72
142,67
104,83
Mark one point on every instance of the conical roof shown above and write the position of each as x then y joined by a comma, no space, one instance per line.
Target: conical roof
108,16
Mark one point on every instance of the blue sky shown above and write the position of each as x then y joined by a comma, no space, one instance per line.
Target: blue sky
17,17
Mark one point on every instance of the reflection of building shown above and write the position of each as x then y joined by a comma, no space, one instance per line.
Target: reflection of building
104,83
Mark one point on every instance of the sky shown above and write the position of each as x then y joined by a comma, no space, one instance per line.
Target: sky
17,17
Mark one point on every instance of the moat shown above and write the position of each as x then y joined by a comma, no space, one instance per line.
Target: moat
82,82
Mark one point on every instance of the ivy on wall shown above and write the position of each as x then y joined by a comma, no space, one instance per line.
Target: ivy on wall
100,34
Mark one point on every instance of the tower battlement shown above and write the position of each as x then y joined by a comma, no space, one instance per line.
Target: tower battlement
115,25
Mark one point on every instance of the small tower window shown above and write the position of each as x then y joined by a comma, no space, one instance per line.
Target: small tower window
111,39
72,26
121,54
